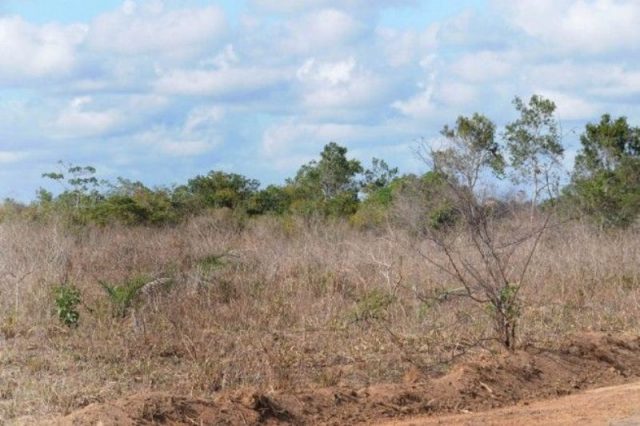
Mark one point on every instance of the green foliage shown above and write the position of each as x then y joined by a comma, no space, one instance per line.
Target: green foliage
81,192
426,203
374,210
10,209
123,296
132,203
443,216
472,146
372,306
534,144
606,145
219,189
506,310
508,301
377,187
605,184
67,298
212,262
378,177
327,186
273,199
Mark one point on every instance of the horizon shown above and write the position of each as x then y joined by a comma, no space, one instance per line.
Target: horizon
258,87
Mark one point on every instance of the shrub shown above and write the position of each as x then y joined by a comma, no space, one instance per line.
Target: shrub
123,296
67,299
372,306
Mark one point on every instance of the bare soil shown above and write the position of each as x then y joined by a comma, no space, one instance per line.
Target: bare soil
615,406
481,383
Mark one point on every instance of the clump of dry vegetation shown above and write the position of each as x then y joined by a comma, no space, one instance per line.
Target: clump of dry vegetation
279,304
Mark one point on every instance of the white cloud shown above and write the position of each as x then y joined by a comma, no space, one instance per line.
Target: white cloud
222,82
332,87
198,134
8,157
77,121
294,137
571,107
418,106
320,30
32,51
482,67
149,27
223,60
605,80
454,94
580,26
160,78
202,118
301,5
405,48
331,73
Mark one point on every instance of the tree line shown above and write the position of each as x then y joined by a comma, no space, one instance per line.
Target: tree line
604,185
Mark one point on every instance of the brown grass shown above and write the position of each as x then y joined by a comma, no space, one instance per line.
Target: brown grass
290,305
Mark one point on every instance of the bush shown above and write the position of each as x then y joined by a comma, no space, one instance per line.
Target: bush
67,299
372,306
123,296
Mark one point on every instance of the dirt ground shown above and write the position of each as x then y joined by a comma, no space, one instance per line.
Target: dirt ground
534,382
615,406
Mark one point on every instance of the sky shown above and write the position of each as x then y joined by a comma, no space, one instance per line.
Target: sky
163,90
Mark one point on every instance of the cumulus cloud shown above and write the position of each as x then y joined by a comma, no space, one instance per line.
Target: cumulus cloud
483,66
198,134
407,47
225,82
571,107
301,5
319,30
332,88
37,51
585,26
78,121
156,79
152,28
292,143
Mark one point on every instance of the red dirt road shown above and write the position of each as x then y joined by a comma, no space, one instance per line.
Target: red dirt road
616,406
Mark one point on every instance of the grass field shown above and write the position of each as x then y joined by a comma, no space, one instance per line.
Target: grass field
277,304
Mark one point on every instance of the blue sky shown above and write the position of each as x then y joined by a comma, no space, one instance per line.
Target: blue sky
163,90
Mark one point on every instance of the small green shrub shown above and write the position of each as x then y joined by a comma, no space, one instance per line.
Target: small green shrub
67,299
211,262
372,306
123,296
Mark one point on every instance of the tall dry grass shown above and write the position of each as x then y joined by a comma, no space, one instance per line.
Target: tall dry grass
277,304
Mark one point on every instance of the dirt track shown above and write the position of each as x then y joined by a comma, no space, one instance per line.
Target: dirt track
616,406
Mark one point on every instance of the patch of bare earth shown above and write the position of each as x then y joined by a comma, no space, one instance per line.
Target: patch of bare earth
476,384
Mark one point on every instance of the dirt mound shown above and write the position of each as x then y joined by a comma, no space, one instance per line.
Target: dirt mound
244,407
485,382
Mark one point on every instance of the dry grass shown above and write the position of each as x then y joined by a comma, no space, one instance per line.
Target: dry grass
279,305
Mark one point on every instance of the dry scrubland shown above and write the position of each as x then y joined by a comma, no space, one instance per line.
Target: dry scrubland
277,304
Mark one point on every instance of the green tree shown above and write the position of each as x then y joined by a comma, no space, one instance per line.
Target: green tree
377,186
219,189
328,185
471,148
272,199
81,190
379,176
534,144
606,146
132,203
606,179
